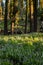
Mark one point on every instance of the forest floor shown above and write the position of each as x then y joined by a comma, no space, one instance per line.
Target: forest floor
25,49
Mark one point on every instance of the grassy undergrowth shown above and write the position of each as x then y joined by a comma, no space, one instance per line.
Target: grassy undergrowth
21,49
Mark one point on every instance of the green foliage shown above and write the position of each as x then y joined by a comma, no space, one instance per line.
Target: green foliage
5,63
40,12
21,50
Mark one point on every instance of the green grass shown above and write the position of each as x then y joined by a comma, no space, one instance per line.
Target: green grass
24,49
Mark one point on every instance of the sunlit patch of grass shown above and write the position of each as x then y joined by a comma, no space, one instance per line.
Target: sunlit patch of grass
23,38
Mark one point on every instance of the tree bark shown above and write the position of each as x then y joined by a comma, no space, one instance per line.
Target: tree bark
30,15
35,14
5,19
26,16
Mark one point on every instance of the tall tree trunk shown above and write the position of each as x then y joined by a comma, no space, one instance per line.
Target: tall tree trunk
30,15
35,14
5,19
26,16
15,10
21,8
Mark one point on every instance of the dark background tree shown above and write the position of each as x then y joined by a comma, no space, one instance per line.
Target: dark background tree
5,18
26,16
35,14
